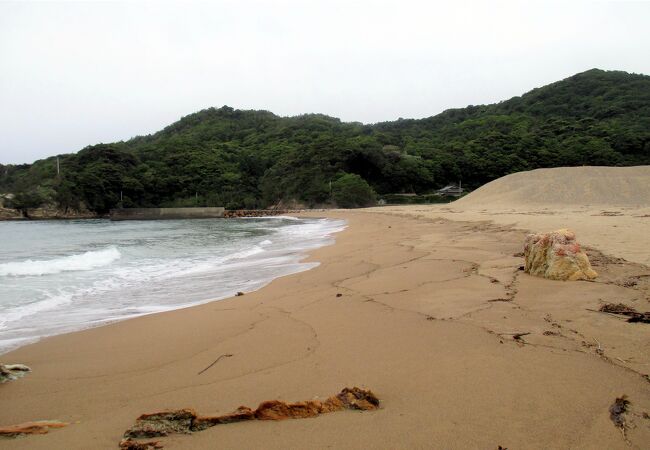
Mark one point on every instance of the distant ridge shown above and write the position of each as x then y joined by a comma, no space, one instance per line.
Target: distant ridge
574,186
257,160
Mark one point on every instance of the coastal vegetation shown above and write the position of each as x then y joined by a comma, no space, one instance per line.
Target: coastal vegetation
256,159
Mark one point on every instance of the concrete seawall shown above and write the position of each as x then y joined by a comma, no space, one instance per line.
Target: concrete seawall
166,213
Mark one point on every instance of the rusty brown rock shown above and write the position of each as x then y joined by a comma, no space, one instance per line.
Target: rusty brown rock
186,420
162,423
348,398
130,444
38,427
556,256
331,404
356,398
277,410
241,414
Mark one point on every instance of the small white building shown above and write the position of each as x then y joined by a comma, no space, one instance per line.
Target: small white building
450,190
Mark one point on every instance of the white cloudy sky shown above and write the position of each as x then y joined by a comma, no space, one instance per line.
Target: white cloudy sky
74,74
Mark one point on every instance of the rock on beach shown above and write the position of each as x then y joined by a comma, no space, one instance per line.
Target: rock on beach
557,256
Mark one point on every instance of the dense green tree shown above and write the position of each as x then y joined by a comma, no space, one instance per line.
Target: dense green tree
352,191
66,196
30,199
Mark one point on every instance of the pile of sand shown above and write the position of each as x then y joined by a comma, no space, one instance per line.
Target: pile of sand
585,186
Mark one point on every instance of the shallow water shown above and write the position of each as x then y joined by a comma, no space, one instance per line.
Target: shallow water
59,276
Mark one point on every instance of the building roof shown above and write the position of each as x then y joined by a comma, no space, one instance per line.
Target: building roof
451,187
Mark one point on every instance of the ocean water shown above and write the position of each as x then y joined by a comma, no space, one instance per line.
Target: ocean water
60,276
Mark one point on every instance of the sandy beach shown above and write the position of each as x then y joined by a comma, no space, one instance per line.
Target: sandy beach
427,316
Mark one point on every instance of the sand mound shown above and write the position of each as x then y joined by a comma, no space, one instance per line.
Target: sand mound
585,186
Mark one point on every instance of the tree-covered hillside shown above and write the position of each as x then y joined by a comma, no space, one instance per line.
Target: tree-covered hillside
250,159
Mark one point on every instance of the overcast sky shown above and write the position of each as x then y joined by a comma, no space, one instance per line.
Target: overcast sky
74,74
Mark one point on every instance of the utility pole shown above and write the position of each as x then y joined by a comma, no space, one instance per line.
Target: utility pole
58,167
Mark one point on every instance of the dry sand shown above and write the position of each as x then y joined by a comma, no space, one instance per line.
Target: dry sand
426,319
607,207
566,186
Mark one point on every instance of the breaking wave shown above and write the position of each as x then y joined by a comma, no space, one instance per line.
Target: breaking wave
82,261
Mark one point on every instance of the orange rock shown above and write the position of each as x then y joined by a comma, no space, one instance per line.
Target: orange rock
38,427
348,398
556,256
130,444
331,404
242,413
162,423
356,398
186,420
277,410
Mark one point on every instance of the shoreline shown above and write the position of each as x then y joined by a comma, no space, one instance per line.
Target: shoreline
424,319
228,214
294,262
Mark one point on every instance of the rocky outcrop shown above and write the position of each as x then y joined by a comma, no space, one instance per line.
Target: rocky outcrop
9,214
9,372
556,256
47,213
40,427
50,212
187,420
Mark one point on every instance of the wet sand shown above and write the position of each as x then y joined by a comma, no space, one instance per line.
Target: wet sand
426,319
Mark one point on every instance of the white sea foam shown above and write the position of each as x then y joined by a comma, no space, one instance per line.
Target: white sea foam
244,253
286,218
51,301
82,261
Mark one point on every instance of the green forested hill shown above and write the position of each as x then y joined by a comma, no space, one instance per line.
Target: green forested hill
247,159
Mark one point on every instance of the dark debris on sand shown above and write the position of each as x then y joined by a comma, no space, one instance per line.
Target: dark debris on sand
617,411
623,310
